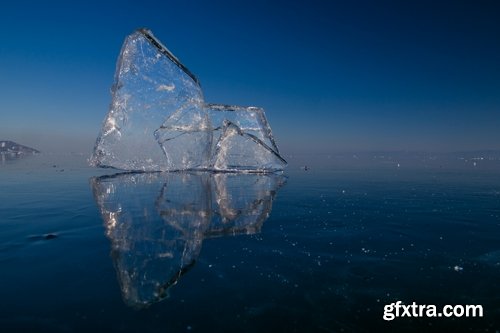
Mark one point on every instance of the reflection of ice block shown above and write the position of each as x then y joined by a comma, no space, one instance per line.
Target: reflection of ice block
243,202
156,222
158,120
184,205
149,254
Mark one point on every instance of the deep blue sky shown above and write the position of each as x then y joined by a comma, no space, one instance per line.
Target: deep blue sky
332,76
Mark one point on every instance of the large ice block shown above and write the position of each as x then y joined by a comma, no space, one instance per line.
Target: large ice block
158,120
157,222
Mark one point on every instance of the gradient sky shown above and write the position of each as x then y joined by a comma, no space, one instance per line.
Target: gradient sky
332,76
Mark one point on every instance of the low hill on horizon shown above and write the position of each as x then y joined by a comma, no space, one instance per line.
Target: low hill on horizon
11,147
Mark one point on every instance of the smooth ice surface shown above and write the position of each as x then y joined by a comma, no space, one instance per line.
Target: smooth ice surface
159,121
343,239
156,222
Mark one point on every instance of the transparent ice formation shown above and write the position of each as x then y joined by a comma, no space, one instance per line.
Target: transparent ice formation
156,222
159,121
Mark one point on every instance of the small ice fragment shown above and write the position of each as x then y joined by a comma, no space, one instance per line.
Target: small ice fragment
237,150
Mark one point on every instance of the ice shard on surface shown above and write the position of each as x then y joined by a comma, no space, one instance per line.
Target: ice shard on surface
158,120
156,222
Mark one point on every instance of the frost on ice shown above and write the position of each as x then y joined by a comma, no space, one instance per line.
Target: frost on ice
159,121
156,222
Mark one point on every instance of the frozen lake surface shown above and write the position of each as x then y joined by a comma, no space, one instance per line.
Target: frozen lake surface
318,250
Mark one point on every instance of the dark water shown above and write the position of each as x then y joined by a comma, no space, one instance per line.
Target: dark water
322,250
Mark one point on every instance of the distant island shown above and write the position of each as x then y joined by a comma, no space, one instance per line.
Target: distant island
12,149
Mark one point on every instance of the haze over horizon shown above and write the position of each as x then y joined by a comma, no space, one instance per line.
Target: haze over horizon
332,77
